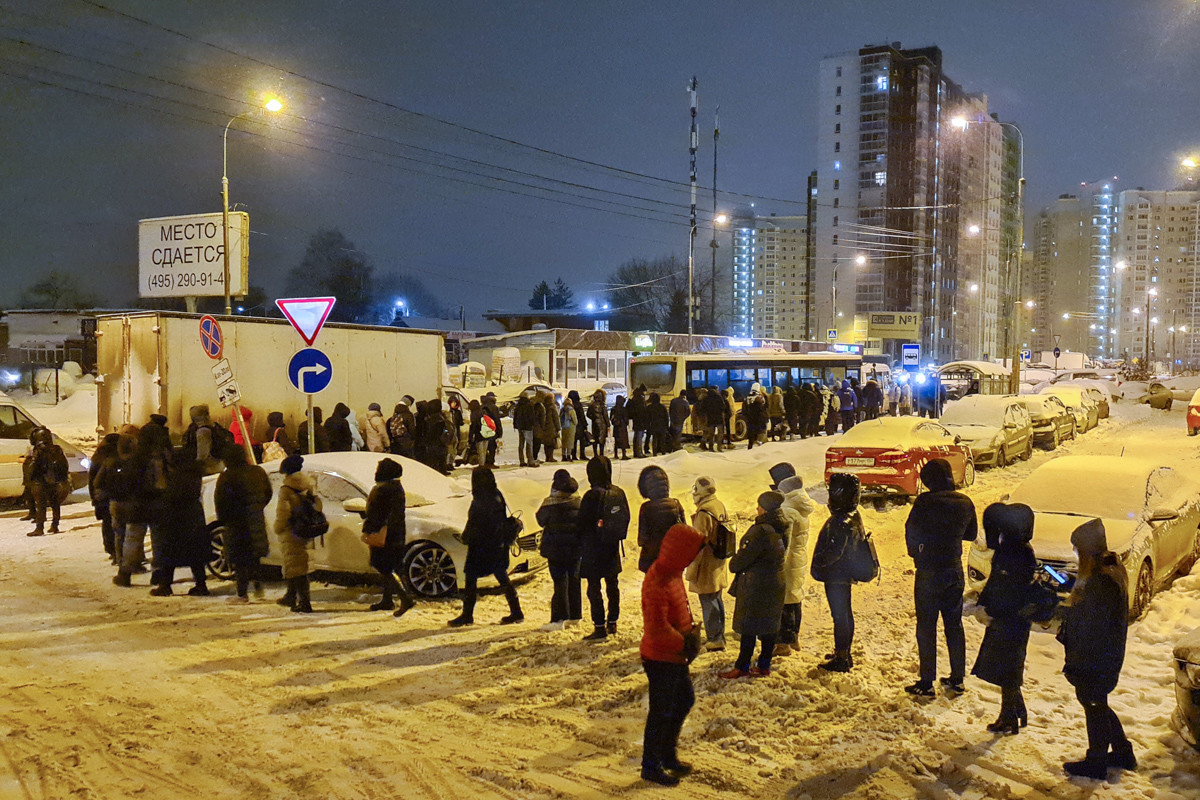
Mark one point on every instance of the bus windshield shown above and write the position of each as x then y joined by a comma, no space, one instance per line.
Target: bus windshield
657,377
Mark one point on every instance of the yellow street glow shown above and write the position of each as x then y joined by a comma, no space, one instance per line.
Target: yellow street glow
273,105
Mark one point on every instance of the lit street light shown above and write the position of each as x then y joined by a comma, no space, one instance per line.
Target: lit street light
273,105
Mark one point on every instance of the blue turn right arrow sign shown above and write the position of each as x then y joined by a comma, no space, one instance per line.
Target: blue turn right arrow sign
310,370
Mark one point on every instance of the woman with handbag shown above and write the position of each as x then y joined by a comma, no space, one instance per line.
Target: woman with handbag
487,550
833,565
385,533
1001,660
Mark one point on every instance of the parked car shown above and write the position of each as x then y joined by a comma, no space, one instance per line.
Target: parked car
1052,422
1079,403
1157,395
996,427
1186,717
15,425
1151,516
436,511
507,393
887,455
1193,414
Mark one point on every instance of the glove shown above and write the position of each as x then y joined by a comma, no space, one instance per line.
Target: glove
691,645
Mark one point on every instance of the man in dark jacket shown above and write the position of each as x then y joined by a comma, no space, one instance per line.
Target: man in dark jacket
637,417
847,405
1093,632
658,422
600,547
100,499
940,521
241,494
48,473
524,419
656,516
320,438
337,429
679,411
713,410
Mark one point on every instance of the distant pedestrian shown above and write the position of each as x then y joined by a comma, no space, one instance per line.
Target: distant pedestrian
277,434
847,405
386,512
658,513
546,426
678,413
598,415
707,575
401,426
637,418
603,525
48,477
872,399
775,413
791,410
184,542
320,438
568,422
754,411
106,452
491,422
374,430
559,517
714,420
797,508
727,415
242,492
523,422
759,581
206,440
337,430
658,423
582,438
619,417
832,565
487,552
236,430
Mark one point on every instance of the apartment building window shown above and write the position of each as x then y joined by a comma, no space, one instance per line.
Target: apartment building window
837,109
838,92
837,128
839,72
836,183
837,147
835,202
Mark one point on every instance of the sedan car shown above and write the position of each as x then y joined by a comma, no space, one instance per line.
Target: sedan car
887,455
1079,403
996,427
1151,515
1193,414
1157,395
1186,717
15,426
436,510
1052,422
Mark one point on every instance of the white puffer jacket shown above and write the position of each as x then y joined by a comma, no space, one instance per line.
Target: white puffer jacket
797,508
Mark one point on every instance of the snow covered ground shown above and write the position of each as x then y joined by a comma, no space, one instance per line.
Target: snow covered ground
110,693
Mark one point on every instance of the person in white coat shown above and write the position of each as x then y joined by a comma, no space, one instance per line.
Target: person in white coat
356,438
707,575
374,430
797,508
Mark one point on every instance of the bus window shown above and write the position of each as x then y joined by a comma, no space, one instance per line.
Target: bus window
853,372
764,378
781,377
741,380
696,378
718,378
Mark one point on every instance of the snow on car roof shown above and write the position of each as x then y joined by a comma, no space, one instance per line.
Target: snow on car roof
976,409
1109,487
983,367
897,433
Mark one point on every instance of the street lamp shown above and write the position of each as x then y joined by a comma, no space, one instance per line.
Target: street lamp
273,105
1150,293
718,221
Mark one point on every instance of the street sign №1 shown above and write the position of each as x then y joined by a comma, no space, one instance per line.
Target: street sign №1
307,314
210,337
310,370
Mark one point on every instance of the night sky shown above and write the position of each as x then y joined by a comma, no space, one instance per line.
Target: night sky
566,152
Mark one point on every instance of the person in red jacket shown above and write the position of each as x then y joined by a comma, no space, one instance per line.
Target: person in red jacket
670,641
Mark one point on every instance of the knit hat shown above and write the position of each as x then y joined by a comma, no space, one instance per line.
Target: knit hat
1089,538
158,419
375,407
291,464
703,487
792,484
563,482
780,471
770,501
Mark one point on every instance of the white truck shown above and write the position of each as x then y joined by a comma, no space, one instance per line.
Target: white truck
152,362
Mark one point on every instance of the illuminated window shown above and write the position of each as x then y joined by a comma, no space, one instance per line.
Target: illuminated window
881,179
881,83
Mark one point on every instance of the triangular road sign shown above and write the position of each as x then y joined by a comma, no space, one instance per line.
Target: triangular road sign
307,314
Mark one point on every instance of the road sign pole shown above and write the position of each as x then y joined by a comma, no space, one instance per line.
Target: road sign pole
312,428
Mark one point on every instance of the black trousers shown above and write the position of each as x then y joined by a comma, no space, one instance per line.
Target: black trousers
671,698
566,602
471,594
789,624
596,599
939,592
1104,729
838,595
746,651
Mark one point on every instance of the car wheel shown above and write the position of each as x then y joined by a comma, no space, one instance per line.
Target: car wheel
429,570
739,429
1195,551
969,474
1143,590
1028,454
1168,406
1056,440
219,565
1001,458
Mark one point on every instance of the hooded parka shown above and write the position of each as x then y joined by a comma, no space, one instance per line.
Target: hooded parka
760,581
707,574
658,513
666,617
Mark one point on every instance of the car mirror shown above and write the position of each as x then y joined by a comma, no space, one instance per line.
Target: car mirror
1163,514
355,505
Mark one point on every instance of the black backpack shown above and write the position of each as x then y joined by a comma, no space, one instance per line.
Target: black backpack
306,520
614,516
120,479
724,543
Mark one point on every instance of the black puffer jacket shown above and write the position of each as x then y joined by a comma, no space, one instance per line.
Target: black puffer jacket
600,557
831,558
657,514
386,505
940,520
760,580
243,491
559,518
1095,624
1001,659
185,539
486,551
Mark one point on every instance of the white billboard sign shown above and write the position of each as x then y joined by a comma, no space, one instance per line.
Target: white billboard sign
185,256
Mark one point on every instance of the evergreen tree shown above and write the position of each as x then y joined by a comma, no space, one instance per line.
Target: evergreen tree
543,297
561,296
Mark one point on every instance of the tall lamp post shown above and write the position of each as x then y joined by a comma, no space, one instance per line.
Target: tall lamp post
1150,293
273,105
718,219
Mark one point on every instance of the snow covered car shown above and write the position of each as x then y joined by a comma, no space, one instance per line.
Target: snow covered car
1052,422
15,425
887,455
1193,414
1186,717
507,393
436,511
1079,403
997,428
1157,395
1151,517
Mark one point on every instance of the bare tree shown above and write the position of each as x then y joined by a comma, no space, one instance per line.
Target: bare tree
654,294
57,291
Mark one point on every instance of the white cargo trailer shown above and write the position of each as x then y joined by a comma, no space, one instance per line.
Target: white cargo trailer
152,363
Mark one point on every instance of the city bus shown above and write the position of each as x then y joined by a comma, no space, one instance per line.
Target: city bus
668,375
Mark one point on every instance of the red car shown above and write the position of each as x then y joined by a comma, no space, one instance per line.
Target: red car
1193,414
887,455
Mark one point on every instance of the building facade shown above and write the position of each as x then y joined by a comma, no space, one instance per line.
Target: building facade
770,284
1059,270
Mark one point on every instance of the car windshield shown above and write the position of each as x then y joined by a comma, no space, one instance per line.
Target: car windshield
1090,490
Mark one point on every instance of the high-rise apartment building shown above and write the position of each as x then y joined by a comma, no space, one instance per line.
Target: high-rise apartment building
770,281
1059,276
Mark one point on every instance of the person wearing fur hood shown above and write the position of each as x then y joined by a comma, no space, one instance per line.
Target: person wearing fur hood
707,575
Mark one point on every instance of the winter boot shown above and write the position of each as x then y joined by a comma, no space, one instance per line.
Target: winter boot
1122,757
161,590
514,607
36,532
597,635
303,603
1092,766
289,597
122,579
654,773
461,621
841,662
611,628
199,590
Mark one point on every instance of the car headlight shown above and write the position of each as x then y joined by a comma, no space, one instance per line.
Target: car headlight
85,463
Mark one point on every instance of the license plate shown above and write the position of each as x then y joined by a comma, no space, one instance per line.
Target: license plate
860,462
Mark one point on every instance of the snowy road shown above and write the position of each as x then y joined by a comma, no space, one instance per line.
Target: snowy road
110,693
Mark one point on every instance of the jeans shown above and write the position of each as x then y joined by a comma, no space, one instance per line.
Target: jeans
939,592
1104,729
671,698
526,447
838,595
746,651
567,601
596,599
789,627
638,438
712,608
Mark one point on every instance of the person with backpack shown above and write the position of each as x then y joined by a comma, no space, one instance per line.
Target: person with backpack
487,550
242,492
297,498
122,480
374,430
183,540
938,524
832,408
758,566
707,575
669,644
603,525
386,512
832,565
1093,631
100,500
320,438
559,517
26,467
48,475
206,440
400,430
754,411
568,422
658,513
797,508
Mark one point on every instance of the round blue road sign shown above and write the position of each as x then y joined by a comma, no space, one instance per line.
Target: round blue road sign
210,336
1057,352
310,370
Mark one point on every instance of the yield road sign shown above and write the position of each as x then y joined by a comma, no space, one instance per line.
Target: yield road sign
310,370
307,314
210,336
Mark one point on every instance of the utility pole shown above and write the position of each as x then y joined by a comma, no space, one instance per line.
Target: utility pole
693,145
712,289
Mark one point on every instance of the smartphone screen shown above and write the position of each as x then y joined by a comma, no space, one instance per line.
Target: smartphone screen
1057,576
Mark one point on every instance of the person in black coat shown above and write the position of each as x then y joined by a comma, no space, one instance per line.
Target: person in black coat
559,518
523,421
656,516
712,407
277,432
1093,630
184,541
242,492
754,411
940,521
637,417
1001,660
678,413
619,417
658,423
386,507
831,564
401,427
758,565
337,430
100,499
582,438
320,438
791,410
600,549
487,553
47,475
